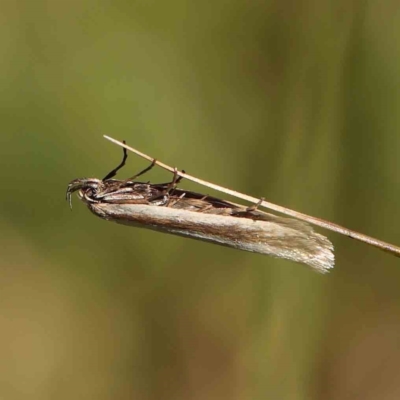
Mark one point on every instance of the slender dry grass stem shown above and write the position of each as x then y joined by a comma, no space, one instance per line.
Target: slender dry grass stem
387,247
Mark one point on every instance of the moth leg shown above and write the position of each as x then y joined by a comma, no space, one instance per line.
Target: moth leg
180,177
153,163
255,206
115,170
174,183
168,188
175,180
171,186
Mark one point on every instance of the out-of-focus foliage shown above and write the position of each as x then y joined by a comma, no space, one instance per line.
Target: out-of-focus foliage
296,101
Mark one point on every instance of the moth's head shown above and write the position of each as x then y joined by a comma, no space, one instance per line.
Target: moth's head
87,187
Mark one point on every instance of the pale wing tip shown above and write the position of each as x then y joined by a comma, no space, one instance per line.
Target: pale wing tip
324,260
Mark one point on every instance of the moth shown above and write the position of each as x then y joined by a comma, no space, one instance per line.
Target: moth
166,208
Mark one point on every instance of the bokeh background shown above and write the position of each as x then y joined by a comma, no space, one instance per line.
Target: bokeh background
297,101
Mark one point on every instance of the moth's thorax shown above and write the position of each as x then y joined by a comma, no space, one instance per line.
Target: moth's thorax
116,191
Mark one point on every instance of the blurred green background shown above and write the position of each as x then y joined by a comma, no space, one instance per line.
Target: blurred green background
297,101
